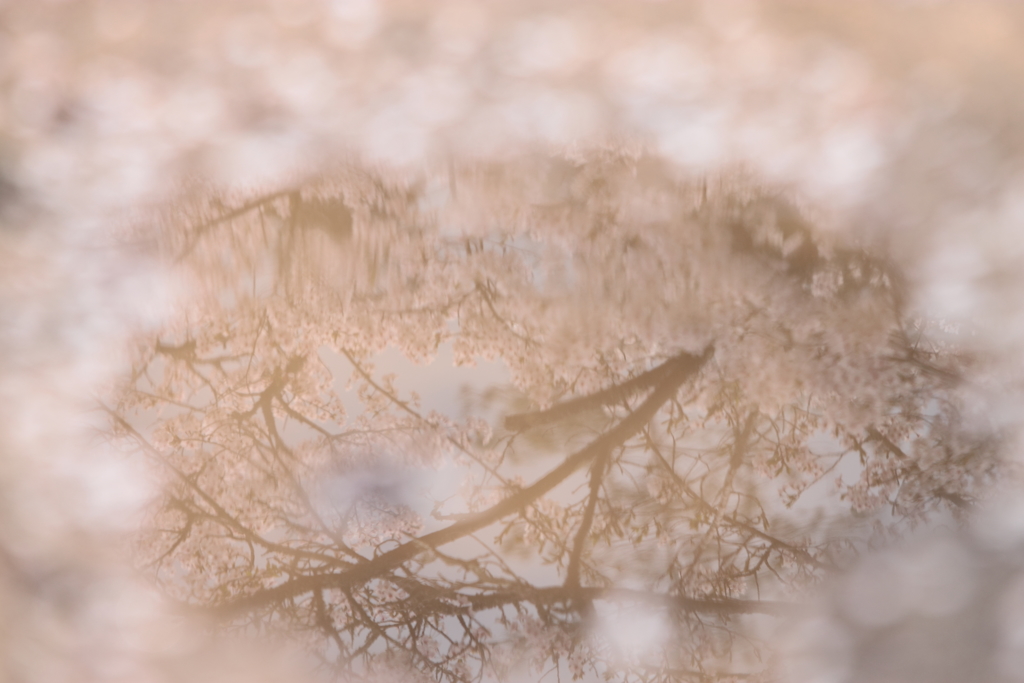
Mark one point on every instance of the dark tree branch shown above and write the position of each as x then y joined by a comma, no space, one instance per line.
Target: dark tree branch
619,392
613,438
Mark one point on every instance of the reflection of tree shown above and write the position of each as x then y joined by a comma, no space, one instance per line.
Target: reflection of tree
705,357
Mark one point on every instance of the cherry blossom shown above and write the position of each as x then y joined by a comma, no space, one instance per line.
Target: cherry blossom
689,359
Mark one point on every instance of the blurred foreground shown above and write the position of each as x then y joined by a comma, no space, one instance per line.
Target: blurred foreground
652,342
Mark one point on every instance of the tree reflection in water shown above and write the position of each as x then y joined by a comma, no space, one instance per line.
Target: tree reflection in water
713,405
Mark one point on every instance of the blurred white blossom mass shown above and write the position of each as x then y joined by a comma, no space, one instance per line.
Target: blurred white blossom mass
152,153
